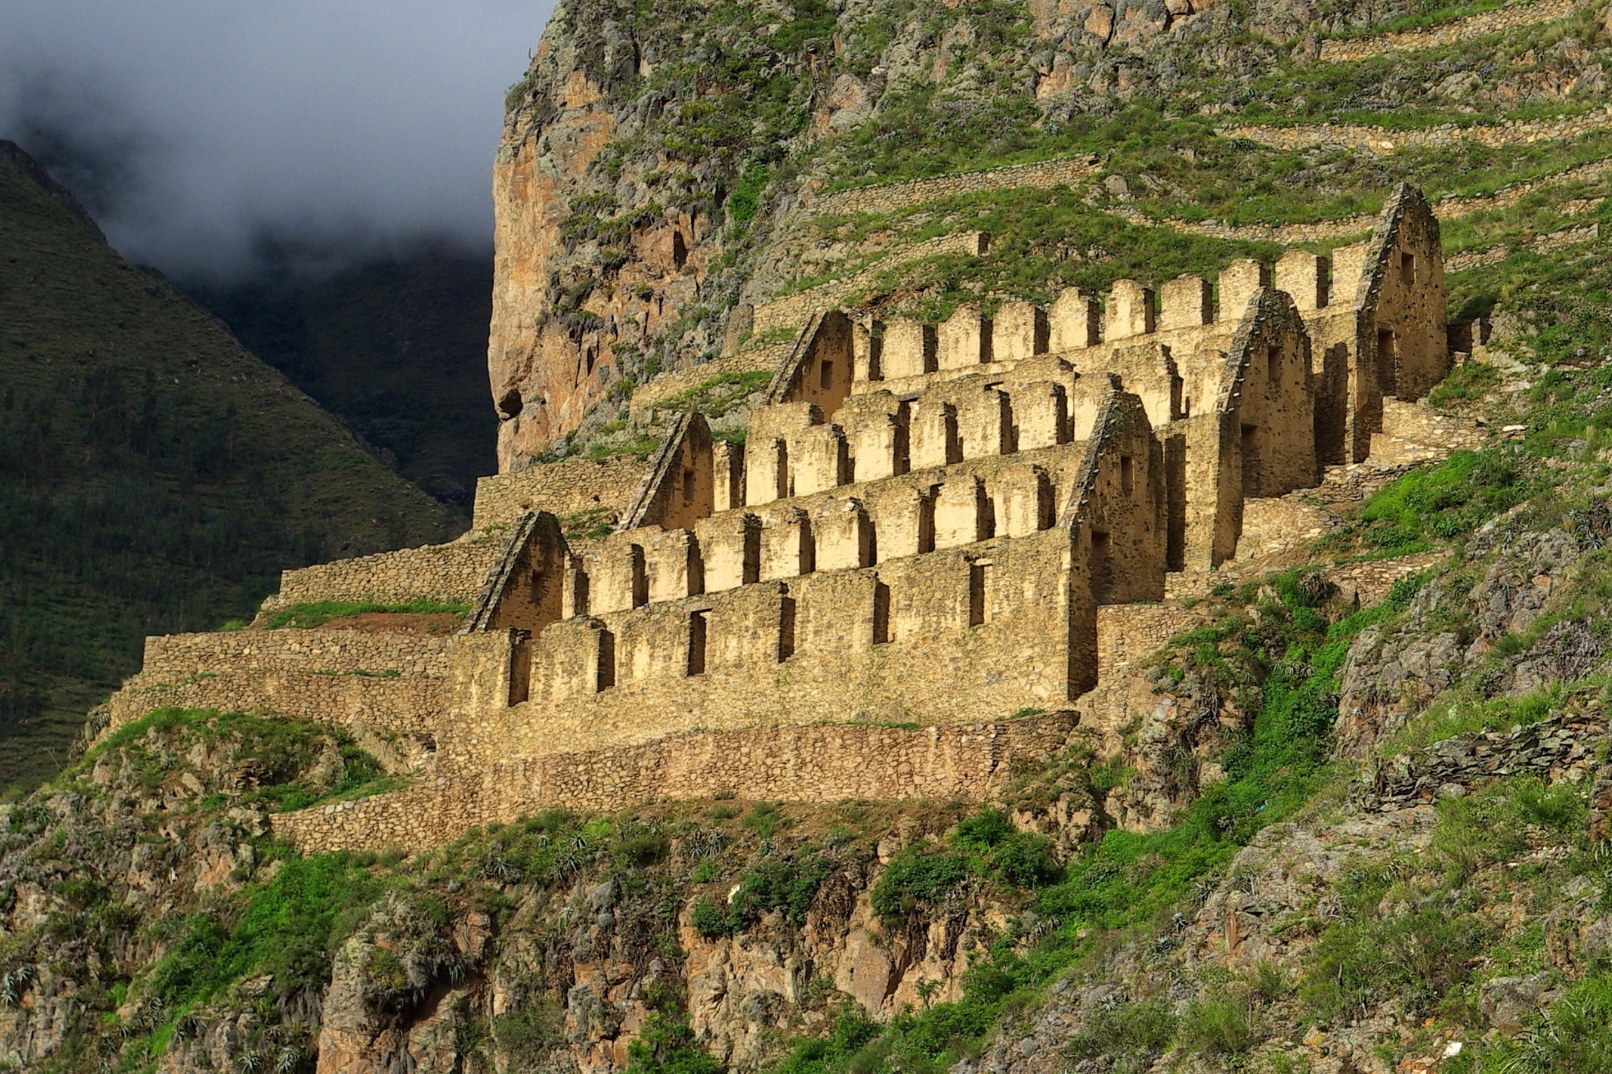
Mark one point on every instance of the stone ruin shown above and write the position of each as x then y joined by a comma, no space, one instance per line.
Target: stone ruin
889,589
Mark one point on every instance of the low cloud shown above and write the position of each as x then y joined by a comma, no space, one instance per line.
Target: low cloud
201,134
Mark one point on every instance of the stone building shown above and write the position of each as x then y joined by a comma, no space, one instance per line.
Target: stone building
889,588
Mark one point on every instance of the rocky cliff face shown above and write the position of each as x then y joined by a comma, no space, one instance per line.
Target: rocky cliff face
658,172
653,162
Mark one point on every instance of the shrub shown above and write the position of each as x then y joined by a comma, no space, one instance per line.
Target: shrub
786,884
1129,1036
710,920
1219,1025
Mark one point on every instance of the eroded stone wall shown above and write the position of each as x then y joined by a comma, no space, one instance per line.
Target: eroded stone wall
174,656
565,488
402,705
1509,18
816,763
444,573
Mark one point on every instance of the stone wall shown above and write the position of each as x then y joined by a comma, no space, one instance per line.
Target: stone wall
891,197
445,573
403,705
563,488
1128,633
667,386
943,637
1485,23
175,656
1369,581
814,763
1387,140
1449,207
791,311
1560,747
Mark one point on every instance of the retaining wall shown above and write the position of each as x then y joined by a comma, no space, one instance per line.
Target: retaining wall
400,705
446,573
1483,24
890,197
174,656
563,488
1387,140
814,763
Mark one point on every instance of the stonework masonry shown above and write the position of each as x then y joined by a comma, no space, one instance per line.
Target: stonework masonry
888,197
822,763
562,488
1387,140
1486,23
445,573
932,543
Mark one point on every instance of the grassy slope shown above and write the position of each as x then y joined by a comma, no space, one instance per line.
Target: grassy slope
154,476
396,347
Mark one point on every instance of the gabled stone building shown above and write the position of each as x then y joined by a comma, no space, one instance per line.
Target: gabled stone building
887,589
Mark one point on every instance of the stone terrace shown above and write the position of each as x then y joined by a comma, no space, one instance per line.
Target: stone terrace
928,529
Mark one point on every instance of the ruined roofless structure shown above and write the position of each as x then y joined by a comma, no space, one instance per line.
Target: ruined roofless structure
888,590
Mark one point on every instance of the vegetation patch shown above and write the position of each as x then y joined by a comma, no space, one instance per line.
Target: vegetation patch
318,613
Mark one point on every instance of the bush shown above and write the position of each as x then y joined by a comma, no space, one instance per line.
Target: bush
917,880
1221,1025
786,884
709,919
1130,1036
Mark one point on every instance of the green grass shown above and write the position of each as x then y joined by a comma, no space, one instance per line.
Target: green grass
1422,14
1443,501
719,394
318,613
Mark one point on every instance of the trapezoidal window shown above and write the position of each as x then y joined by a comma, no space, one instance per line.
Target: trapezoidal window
825,374
520,668
1387,361
978,592
604,662
781,457
751,562
786,627
696,643
1127,475
1102,566
1251,460
640,577
926,520
1407,267
881,613
1273,364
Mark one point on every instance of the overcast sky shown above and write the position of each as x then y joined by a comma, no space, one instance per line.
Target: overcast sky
190,127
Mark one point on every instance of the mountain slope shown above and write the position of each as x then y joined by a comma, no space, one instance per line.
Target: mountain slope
154,476
396,347
676,184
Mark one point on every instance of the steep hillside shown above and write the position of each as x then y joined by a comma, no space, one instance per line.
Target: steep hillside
154,476
678,185
396,347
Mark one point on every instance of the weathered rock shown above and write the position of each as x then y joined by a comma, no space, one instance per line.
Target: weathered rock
1508,1001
